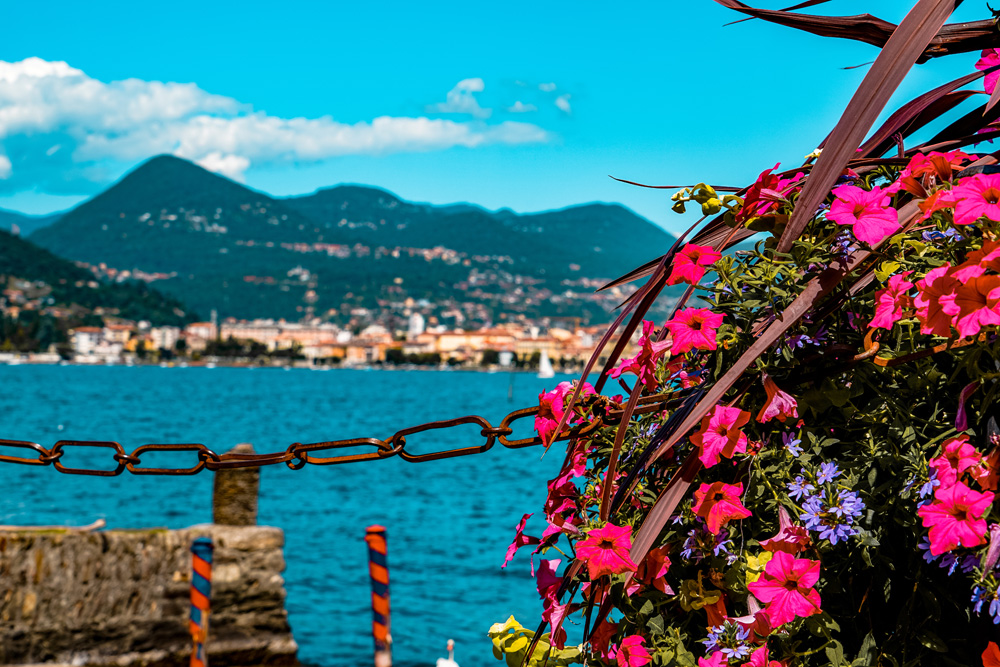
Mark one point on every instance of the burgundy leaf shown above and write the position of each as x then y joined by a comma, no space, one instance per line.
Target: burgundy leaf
900,52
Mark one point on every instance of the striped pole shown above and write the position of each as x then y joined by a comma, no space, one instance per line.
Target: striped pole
201,595
378,570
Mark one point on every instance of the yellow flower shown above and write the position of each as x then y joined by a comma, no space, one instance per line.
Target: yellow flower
694,596
755,566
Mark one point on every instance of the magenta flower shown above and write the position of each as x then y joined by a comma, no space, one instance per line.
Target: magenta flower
987,59
694,329
720,434
891,302
974,305
786,587
956,457
606,550
718,504
717,659
790,538
978,197
761,658
867,212
520,540
691,262
779,405
600,639
644,363
767,193
955,518
552,405
632,653
937,287
553,614
652,571
546,579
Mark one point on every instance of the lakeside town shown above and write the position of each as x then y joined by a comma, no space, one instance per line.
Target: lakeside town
277,342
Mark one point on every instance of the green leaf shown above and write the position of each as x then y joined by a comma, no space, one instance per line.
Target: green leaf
835,654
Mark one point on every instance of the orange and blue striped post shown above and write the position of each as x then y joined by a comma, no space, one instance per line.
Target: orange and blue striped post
378,570
201,595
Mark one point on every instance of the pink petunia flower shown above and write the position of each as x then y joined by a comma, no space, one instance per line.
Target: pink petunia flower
957,456
786,587
955,518
606,550
977,261
691,262
717,659
938,200
553,614
546,579
779,405
761,658
867,212
600,639
632,653
644,363
974,304
978,196
720,434
552,405
936,286
694,329
718,504
652,571
520,540
987,59
791,538
991,656
766,194
891,302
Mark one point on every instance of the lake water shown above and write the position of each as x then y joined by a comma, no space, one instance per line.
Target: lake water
449,522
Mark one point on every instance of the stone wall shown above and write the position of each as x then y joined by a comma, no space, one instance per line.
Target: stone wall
122,597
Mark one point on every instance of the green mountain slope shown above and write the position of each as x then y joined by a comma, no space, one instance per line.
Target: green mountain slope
350,252
71,285
25,223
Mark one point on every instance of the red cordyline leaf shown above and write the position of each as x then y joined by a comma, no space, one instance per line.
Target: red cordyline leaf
915,31
717,188
952,38
801,5
913,116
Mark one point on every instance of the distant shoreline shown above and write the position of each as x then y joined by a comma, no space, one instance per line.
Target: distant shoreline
215,365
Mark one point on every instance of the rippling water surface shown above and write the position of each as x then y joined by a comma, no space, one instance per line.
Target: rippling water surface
449,522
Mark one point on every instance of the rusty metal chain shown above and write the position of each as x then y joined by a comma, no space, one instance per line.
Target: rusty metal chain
603,413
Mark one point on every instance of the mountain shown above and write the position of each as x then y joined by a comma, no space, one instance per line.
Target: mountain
63,283
350,253
26,224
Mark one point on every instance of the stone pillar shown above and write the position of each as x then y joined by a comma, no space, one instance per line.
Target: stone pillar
234,497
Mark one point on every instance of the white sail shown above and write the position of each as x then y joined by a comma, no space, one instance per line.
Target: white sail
545,369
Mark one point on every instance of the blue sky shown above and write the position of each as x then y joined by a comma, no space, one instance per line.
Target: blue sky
422,98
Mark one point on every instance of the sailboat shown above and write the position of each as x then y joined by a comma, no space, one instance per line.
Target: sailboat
545,369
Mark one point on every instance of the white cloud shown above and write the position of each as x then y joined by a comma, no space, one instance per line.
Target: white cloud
563,103
521,107
462,99
60,128
232,166
546,87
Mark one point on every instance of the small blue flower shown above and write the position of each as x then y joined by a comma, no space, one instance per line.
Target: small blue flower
791,443
799,487
827,472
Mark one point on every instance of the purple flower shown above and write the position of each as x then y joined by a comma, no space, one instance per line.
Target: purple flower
827,472
799,488
791,443
834,517
731,639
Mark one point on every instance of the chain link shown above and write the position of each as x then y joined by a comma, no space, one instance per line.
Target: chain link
602,412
